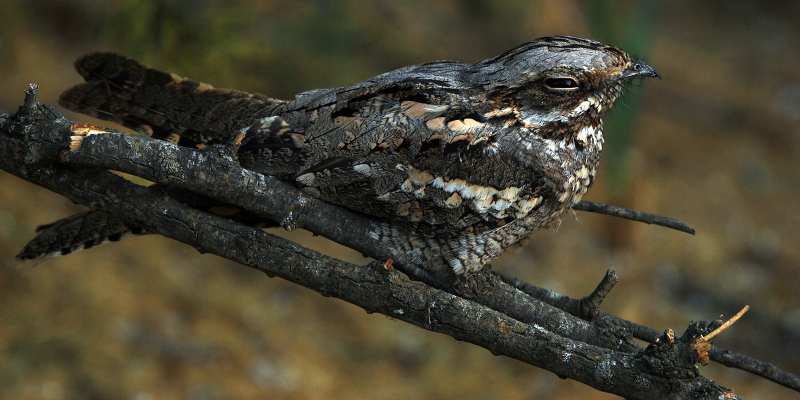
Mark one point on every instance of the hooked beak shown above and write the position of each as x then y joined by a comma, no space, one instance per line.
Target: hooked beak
641,70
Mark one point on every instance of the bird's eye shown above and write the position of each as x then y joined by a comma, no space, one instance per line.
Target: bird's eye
561,83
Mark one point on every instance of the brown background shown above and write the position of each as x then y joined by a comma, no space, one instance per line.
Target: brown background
715,143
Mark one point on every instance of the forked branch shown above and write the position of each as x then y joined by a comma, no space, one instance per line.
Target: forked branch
35,145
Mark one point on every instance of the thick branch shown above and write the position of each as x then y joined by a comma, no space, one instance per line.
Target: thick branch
217,175
33,138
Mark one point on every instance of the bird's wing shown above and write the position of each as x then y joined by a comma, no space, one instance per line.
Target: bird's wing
409,145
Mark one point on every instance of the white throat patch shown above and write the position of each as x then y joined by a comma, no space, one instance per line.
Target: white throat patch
536,119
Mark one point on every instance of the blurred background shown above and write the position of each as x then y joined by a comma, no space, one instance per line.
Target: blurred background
716,143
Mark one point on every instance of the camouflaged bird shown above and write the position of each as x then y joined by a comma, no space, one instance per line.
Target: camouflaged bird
456,161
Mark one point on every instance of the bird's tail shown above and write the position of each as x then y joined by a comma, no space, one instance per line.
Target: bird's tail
92,228
75,233
159,104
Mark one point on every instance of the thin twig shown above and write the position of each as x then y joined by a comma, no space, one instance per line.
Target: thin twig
727,324
633,215
590,305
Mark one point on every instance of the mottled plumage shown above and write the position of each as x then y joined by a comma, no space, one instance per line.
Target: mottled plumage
456,161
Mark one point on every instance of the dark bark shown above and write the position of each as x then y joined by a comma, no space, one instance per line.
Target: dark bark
485,309
633,215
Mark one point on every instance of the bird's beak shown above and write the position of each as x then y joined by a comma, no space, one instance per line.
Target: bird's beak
641,70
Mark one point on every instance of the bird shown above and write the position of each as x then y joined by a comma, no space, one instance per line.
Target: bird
456,162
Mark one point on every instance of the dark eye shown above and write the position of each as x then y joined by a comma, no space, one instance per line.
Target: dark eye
561,83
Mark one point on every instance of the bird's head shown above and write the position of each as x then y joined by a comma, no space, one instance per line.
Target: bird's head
557,81
551,95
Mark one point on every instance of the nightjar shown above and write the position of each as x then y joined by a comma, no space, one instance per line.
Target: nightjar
456,162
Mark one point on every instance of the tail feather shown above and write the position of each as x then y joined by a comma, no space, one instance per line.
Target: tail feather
75,233
159,104
92,228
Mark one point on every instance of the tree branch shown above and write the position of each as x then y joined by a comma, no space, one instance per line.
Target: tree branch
717,354
35,143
